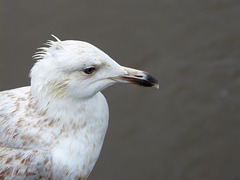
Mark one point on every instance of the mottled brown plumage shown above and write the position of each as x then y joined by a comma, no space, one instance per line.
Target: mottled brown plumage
25,164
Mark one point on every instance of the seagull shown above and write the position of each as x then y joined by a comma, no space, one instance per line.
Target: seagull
55,128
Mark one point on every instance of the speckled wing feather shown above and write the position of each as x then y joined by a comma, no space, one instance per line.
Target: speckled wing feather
13,117
21,126
22,155
25,164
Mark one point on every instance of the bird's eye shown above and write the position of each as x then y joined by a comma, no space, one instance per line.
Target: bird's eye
89,70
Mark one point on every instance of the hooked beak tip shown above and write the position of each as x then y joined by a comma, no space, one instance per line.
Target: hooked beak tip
156,86
151,81
138,77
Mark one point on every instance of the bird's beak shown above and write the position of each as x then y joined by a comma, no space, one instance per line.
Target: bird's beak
137,77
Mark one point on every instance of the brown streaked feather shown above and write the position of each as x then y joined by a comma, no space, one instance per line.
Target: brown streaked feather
25,164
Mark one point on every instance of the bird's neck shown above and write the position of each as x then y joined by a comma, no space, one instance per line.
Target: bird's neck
71,114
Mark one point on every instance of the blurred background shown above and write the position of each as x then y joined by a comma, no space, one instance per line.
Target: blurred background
190,127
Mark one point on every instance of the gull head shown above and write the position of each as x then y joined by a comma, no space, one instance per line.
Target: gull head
79,70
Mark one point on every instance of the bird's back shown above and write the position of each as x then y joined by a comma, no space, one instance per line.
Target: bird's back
18,157
13,104
25,164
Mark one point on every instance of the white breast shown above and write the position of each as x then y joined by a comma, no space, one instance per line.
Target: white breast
78,150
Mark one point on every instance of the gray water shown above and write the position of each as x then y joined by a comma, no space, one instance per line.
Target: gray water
190,127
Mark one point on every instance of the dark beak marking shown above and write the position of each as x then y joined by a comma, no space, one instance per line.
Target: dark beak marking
138,76
148,82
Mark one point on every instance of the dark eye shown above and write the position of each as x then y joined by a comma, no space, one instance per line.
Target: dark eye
89,70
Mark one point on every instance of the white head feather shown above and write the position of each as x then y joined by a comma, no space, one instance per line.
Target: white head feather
59,71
